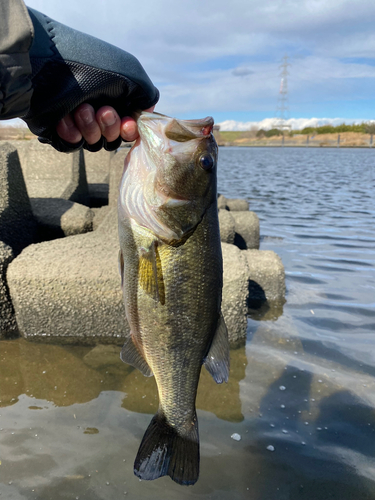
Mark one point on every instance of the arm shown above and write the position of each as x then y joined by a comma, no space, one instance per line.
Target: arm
16,35
69,68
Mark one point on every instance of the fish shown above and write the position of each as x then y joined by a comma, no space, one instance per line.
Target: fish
172,276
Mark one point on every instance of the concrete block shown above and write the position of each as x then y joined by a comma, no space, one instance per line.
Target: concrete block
237,205
222,202
97,173
97,166
99,215
115,174
267,277
68,290
58,218
8,326
232,204
17,223
247,230
235,291
50,174
227,226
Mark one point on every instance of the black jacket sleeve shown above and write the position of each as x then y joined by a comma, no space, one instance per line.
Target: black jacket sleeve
69,68
16,36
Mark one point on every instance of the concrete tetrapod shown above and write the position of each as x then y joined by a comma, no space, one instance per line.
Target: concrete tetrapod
8,324
68,290
17,227
227,226
58,218
50,174
235,291
266,284
247,230
97,173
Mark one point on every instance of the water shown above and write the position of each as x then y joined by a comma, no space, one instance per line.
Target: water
301,396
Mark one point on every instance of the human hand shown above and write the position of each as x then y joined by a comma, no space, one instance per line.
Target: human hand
76,78
92,126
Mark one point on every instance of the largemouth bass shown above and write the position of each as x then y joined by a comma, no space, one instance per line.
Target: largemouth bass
171,268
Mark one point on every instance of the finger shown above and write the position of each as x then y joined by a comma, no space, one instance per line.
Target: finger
109,122
129,129
68,131
85,120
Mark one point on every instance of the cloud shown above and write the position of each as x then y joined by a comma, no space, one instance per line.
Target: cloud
226,58
294,123
242,71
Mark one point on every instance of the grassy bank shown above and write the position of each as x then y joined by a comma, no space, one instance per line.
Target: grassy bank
249,138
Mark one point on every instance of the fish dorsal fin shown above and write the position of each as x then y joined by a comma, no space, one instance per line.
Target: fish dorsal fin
177,132
132,356
217,359
150,273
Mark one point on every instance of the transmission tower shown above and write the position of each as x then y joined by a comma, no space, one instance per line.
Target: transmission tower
282,109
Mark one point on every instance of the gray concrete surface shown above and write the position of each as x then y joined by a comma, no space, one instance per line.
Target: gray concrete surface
227,226
222,202
50,174
232,204
115,173
235,292
97,173
17,224
266,275
8,325
68,290
237,205
247,230
99,215
58,218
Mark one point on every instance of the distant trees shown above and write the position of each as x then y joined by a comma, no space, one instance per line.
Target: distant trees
363,128
268,133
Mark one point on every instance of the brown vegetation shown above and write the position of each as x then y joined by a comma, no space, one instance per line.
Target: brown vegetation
14,133
347,139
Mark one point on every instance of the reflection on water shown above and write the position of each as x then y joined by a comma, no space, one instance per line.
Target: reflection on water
301,393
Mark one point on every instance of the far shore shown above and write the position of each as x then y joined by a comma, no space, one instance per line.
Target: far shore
249,139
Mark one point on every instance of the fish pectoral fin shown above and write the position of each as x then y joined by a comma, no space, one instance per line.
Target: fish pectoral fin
217,359
131,355
150,273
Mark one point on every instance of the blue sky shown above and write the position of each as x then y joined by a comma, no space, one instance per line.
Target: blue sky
222,58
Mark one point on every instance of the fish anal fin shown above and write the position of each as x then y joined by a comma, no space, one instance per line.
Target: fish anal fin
217,359
150,273
165,451
132,356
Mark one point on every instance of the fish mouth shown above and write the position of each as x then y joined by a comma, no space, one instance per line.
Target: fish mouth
180,130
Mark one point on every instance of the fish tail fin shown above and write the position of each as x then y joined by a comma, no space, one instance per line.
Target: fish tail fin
166,451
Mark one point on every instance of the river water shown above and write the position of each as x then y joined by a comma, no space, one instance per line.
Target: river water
301,394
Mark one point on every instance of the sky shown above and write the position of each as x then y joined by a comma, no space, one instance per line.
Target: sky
222,58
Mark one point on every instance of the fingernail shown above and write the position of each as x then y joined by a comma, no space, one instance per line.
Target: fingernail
108,119
87,116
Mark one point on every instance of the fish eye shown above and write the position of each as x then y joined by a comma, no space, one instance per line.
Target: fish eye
206,161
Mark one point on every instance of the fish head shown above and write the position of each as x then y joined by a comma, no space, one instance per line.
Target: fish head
176,161
184,153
